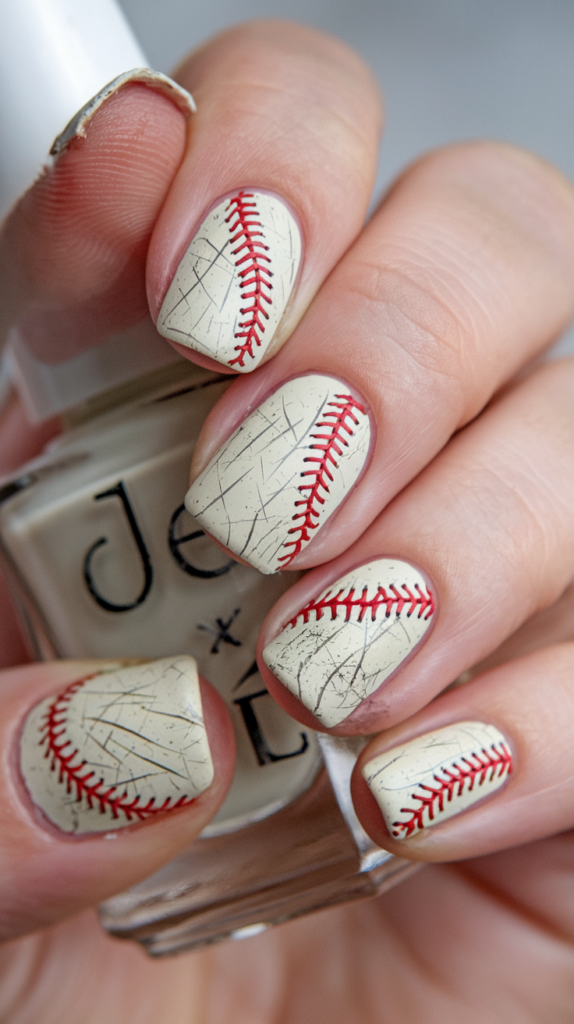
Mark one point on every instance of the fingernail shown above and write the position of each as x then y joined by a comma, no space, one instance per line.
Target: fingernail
438,775
233,284
283,472
118,747
346,642
153,79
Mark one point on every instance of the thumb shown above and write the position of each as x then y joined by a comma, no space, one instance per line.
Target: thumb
73,250
141,754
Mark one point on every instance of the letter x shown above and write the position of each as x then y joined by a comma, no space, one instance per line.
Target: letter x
222,633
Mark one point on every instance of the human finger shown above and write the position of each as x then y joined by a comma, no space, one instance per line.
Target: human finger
73,249
498,749
477,544
19,441
141,753
273,189
462,277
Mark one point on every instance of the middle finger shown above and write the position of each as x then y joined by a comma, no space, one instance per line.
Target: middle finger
463,275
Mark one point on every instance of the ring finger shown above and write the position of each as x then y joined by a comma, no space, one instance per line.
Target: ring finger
482,540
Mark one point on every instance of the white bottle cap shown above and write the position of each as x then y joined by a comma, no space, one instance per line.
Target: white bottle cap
55,55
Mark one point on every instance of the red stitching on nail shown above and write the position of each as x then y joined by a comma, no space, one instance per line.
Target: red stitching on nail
54,737
433,799
337,420
400,597
255,276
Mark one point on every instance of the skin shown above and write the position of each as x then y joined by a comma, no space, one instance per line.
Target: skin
436,312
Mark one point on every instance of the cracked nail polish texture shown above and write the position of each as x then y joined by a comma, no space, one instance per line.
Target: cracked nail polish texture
283,472
118,747
438,775
233,284
338,649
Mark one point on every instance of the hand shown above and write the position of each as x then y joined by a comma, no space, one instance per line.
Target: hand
461,279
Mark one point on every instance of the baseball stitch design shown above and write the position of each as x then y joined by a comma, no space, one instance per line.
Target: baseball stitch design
246,229
86,786
451,782
338,421
334,602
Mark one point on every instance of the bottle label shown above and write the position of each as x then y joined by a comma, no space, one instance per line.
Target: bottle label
122,570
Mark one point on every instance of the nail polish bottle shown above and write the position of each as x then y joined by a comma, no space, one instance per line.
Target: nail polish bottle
103,560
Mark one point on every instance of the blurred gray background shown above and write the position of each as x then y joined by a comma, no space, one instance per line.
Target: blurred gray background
449,69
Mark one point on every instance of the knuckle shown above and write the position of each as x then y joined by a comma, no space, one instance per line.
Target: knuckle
520,520
435,340
303,96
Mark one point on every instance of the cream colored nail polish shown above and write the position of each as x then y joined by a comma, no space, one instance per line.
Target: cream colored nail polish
283,472
234,282
119,747
338,649
437,775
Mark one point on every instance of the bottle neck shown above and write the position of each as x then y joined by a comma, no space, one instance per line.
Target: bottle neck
150,385
97,379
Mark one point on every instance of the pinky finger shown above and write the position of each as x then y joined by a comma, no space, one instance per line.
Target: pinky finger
485,767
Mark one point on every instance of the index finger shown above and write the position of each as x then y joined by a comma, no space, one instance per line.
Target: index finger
274,188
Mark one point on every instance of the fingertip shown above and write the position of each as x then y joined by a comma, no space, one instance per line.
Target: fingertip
77,240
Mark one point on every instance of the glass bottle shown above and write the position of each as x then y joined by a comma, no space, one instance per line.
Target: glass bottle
104,561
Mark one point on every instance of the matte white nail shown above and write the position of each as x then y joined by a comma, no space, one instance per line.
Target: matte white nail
283,472
347,641
76,128
233,284
118,747
438,775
